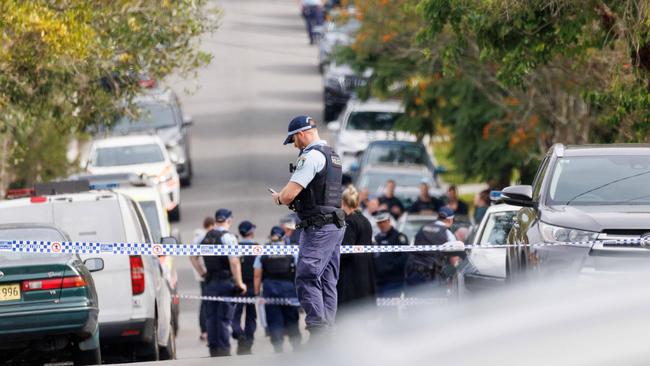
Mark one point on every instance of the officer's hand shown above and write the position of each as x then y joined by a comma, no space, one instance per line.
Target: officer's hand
243,288
276,198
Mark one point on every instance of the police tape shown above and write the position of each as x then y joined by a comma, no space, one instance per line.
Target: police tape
27,246
288,301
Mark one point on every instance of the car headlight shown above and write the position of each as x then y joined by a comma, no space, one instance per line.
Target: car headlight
558,234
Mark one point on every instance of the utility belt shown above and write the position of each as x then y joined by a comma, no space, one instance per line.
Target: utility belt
318,221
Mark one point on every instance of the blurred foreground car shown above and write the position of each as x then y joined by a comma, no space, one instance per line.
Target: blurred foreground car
48,304
145,156
134,298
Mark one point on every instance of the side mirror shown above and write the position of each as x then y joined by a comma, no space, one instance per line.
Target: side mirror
334,126
187,120
518,196
94,264
169,240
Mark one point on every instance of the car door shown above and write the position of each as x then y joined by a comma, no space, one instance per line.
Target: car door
489,264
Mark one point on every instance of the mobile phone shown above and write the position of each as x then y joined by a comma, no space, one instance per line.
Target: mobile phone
271,191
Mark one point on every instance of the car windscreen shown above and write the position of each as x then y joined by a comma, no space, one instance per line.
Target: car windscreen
411,227
372,121
600,180
497,227
151,215
397,154
151,116
128,155
31,234
376,181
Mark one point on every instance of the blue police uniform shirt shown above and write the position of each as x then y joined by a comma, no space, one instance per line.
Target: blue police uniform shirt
308,165
228,239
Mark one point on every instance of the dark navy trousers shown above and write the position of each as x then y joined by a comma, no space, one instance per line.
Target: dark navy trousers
219,314
317,273
282,320
250,322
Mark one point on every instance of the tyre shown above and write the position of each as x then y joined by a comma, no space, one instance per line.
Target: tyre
169,351
149,351
175,214
89,357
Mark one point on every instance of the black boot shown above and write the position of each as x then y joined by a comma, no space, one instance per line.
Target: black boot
219,352
244,346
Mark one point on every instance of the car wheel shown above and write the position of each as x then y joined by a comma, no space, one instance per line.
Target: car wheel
169,351
89,357
149,351
186,182
175,214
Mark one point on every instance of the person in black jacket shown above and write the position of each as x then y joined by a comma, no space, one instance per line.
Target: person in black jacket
245,335
389,267
357,273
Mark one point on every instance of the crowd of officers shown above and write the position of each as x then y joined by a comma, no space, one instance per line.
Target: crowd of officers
362,277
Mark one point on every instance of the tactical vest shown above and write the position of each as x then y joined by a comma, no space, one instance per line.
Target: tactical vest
323,194
217,266
434,233
278,267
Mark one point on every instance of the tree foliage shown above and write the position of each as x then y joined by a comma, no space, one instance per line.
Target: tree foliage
509,78
69,64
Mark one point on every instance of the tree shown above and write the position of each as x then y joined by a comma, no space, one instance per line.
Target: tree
66,65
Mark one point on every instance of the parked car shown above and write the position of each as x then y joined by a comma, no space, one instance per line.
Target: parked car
486,267
48,303
340,83
409,224
143,155
160,113
338,33
134,298
364,122
396,153
582,194
407,179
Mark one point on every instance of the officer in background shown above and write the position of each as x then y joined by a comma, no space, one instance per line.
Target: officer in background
246,335
224,278
291,234
430,270
389,267
274,277
314,193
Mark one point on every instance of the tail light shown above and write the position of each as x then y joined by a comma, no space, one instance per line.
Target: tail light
137,274
53,283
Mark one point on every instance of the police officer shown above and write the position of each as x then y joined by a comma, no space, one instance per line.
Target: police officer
389,267
224,278
314,193
277,275
246,335
429,270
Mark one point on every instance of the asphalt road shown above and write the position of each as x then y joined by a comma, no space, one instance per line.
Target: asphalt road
263,73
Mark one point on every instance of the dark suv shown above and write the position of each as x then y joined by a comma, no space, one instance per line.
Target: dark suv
582,193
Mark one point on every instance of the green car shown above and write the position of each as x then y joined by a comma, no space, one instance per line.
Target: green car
48,303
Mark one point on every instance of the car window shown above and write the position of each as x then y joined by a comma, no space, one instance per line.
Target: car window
150,211
411,227
539,178
600,180
372,121
128,155
141,221
33,234
375,181
497,227
151,116
397,154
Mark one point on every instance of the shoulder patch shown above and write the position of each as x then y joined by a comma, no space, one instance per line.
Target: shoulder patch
336,160
402,239
300,162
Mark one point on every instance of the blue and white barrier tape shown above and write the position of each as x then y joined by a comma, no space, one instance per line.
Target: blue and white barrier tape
26,246
288,301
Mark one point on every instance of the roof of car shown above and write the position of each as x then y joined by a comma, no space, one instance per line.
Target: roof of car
376,105
129,140
156,95
609,149
394,142
389,168
140,193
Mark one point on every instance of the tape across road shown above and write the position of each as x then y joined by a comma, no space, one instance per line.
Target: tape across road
288,301
26,246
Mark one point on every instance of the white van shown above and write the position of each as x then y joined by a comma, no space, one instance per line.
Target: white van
134,298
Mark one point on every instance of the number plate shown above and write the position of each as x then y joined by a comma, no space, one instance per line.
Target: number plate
10,292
